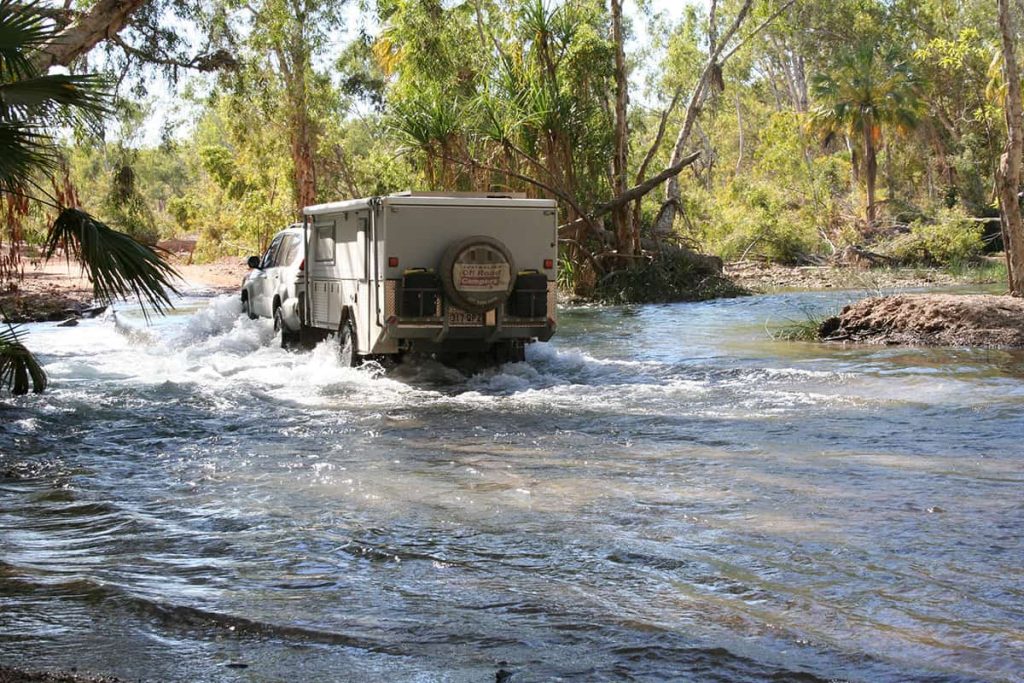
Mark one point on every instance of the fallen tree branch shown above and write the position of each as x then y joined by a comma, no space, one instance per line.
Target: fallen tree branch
638,191
587,254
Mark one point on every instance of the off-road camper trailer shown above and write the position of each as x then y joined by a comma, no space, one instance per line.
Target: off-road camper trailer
445,274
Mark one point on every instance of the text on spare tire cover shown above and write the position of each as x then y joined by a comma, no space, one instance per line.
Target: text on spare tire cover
481,268
481,277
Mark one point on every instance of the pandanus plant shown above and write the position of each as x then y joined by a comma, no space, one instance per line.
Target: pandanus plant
32,105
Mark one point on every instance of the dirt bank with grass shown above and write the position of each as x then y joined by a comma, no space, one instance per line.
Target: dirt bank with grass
57,290
974,320
762,277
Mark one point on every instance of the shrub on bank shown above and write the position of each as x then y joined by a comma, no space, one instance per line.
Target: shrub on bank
950,239
672,275
759,219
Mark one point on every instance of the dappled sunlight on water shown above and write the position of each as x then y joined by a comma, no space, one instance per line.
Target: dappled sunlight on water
662,492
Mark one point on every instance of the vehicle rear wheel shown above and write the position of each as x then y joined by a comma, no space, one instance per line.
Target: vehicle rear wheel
347,356
288,338
508,352
247,309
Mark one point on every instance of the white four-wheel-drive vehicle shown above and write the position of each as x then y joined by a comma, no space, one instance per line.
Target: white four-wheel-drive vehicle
275,279
448,275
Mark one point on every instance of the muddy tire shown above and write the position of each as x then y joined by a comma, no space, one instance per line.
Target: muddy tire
508,352
247,309
288,338
478,251
347,356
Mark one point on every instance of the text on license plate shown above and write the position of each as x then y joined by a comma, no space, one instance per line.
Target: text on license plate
457,317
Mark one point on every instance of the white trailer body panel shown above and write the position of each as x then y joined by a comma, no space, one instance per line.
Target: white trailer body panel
339,269
418,234
360,252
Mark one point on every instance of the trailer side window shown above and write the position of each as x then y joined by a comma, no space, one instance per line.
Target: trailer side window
325,242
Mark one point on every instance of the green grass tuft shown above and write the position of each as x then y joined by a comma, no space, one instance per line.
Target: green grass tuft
806,329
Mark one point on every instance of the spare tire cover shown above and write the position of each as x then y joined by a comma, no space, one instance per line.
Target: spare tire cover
477,273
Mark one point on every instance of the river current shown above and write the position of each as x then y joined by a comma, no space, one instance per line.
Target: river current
660,493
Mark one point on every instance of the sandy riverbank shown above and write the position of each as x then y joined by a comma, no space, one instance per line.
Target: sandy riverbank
54,290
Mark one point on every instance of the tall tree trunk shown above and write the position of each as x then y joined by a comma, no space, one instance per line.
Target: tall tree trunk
302,139
739,125
890,178
870,172
1008,173
800,74
854,162
345,169
620,216
103,20
294,64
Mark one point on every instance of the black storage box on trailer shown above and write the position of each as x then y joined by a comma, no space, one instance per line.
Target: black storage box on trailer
529,297
421,292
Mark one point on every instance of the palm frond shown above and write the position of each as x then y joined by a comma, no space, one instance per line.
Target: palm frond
24,151
19,369
82,97
23,29
117,265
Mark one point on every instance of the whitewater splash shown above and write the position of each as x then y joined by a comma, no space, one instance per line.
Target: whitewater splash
210,343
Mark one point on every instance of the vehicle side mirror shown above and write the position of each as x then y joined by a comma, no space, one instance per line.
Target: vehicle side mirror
253,262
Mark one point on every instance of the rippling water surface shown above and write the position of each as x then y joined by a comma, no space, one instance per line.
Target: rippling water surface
660,493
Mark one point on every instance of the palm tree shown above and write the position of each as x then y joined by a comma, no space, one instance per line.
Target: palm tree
31,104
867,88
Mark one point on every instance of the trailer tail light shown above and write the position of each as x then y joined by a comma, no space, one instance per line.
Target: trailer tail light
549,264
302,265
392,261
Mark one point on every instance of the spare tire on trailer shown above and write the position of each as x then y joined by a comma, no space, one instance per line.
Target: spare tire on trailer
477,273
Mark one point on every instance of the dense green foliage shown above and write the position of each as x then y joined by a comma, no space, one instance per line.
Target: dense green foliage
840,122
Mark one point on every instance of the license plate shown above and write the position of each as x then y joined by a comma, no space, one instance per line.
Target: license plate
457,317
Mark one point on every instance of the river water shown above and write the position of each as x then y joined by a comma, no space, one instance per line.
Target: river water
661,493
